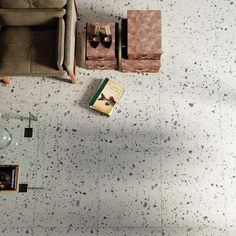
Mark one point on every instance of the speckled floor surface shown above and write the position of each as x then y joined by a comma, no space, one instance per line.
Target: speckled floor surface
163,164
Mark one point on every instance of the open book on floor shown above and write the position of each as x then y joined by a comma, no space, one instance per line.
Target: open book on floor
108,94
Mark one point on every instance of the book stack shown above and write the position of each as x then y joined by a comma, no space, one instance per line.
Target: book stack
141,41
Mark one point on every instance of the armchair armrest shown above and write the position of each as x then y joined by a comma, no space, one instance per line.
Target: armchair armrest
71,25
60,51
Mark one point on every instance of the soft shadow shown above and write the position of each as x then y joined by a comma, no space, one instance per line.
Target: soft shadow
16,117
60,79
90,91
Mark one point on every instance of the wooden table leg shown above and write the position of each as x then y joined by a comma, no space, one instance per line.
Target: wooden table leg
5,79
73,77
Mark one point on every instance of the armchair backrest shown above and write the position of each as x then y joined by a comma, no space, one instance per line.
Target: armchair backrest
36,4
30,12
29,17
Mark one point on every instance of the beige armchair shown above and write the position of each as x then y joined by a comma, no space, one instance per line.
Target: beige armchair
37,38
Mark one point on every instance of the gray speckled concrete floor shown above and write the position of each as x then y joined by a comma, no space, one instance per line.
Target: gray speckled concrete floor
163,164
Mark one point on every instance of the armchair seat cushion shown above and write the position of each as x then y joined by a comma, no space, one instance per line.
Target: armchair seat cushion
28,51
32,3
29,17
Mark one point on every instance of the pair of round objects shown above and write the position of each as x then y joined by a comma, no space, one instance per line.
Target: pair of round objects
5,138
105,39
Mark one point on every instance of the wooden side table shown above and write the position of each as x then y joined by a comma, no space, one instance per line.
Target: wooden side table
102,58
141,41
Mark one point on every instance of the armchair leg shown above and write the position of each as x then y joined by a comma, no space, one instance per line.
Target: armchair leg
73,79
5,79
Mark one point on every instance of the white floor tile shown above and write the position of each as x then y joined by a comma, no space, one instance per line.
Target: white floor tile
162,164
129,231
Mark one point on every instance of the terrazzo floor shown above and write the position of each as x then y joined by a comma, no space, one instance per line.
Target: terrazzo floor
163,164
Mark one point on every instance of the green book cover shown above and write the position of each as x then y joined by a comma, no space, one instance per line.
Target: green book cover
108,94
